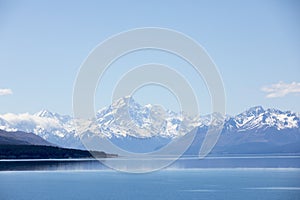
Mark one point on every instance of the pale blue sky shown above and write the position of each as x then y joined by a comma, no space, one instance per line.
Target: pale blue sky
254,44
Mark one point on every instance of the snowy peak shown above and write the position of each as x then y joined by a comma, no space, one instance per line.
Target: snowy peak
254,111
52,115
45,113
125,117
258,119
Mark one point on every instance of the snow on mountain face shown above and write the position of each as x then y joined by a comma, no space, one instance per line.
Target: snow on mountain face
50,126
258,119
125,117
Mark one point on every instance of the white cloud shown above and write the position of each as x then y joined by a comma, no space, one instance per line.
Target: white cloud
30,121
281,89
5,92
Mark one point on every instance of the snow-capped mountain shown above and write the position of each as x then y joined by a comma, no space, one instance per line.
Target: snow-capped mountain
55,128
125,117
126,120
257,119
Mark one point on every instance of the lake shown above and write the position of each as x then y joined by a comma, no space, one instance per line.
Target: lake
167,184
237,177
187,162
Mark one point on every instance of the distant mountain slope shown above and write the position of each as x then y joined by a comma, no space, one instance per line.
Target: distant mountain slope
250,143
45,152
21,138
21,145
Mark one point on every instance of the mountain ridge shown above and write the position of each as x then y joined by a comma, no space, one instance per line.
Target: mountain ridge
21,138
125,118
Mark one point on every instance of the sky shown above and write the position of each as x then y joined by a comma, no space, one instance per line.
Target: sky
254,44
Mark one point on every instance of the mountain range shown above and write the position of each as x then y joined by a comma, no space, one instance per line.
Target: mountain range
146,128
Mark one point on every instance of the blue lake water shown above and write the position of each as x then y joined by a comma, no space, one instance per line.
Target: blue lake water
167,184
237,177
232,161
